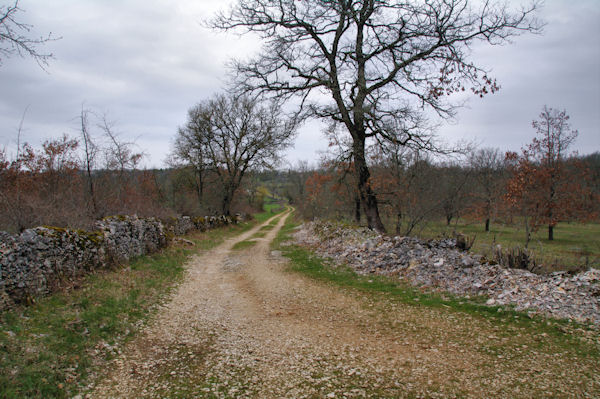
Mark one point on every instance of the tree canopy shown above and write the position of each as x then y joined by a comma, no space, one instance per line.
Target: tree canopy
373,66
230,135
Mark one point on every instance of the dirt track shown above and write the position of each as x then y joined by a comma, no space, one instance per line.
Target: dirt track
240,325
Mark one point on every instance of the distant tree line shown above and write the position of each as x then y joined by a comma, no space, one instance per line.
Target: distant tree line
541,186
73,181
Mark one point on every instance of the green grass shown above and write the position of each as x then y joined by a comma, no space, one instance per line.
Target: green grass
50,349
261,218
218,236
243,245
572,337
272,223
575,245
272,206
269,211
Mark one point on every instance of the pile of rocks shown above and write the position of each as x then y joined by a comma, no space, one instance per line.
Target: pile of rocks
211,222
179,226
184,224
438,264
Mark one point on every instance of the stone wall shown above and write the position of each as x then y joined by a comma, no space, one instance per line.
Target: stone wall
184,224
40,260
128,237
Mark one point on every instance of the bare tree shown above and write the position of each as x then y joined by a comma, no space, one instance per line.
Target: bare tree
119,156
452,182
14,39
230,135
379,63
190,151
489,173
90,152
296,182
408,183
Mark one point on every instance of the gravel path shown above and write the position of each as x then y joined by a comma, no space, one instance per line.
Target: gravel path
242,326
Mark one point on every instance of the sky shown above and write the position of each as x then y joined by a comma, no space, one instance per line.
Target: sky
144,63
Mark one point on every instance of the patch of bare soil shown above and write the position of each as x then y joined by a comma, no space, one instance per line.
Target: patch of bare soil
242,326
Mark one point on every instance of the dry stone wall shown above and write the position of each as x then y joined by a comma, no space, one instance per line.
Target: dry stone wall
40,260
36,261
128,237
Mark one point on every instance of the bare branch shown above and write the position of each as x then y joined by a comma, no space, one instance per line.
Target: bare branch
231,135
380,63
14,38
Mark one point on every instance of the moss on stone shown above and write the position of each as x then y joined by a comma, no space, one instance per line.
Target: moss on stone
94,236
199,220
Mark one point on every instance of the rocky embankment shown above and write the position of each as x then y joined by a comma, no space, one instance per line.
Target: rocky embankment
439,265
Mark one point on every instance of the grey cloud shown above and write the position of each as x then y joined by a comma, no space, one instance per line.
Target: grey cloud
560,68
147,62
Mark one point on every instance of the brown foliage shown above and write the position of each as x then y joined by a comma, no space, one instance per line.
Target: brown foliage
546,185
48,186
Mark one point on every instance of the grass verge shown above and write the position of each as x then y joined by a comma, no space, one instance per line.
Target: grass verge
243,245
582,340
54,348
575,245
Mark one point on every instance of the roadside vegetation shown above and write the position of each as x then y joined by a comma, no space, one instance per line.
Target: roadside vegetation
271,207
53,348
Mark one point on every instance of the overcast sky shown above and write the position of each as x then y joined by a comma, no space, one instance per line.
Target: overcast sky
145,62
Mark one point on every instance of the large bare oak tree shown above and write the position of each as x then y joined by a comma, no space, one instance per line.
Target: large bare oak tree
373,66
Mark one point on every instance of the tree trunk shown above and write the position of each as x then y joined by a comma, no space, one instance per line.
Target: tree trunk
199,185
230,186
357,208
398,222
368,198
551,206
226,203
527,233
91,192
487,224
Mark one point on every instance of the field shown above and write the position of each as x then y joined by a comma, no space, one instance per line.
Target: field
575,246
